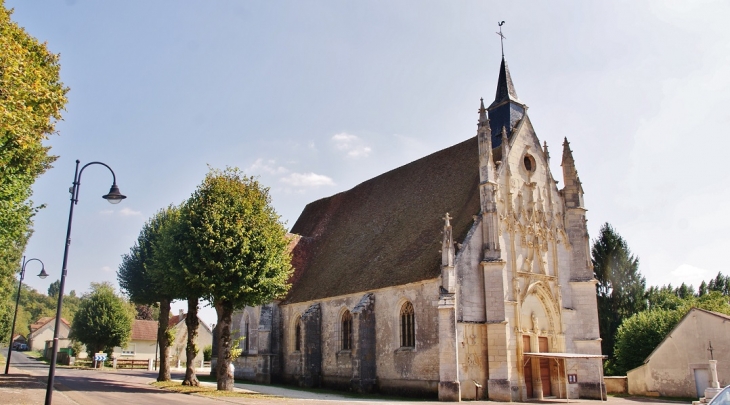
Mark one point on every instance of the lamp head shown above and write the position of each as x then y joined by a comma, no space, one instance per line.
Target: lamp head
43,273
114,196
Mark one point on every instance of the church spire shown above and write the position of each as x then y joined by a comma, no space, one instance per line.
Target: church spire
573,190
505,88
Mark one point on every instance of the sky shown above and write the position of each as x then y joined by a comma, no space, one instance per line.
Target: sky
315,97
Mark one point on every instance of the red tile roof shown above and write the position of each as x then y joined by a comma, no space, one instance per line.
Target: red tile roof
44,320
175,319
144,330
387,230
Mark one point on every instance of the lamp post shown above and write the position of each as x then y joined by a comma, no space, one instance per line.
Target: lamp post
114,197
17,300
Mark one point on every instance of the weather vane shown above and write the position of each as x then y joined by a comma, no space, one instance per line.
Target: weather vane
501,37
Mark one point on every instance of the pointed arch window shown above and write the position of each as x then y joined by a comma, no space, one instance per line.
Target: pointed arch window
407,326
346,328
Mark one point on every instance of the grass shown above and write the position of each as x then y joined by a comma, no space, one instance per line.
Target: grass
176,386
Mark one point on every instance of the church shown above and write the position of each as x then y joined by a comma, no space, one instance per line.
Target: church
465,274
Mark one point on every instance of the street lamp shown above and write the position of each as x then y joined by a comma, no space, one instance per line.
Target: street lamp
17,300
114,197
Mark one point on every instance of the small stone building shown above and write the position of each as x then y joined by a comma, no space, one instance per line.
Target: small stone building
464,274
679,365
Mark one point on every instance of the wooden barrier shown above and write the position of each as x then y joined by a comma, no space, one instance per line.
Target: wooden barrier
132,364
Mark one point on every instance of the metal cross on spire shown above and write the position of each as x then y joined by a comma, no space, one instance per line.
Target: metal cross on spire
501,37
710,349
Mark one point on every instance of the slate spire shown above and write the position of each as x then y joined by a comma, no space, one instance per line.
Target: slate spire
505,87
506,109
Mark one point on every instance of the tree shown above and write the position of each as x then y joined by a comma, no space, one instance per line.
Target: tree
147,312
620,285
103,321
143,276
54,289
720,284
31,99
236,251
703,289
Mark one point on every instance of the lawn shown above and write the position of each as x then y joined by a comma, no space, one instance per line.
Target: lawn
209,391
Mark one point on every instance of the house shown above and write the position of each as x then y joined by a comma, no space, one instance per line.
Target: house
465,274
180,329
19,341
142,344
42,330
679,366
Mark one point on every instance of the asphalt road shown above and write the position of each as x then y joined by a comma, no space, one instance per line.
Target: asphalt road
119,387
92,387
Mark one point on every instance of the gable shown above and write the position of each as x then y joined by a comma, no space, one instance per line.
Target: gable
685,327
387,230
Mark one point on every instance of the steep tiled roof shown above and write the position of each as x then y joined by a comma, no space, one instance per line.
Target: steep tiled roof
144,330
44,320
175,319
387,230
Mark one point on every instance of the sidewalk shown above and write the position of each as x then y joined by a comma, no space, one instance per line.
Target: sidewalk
19,387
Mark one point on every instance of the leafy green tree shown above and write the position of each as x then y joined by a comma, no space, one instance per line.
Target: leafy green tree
103,321
143,276
663,298
685,291
620,285
54,289
31,99
703,289
720,284
236,250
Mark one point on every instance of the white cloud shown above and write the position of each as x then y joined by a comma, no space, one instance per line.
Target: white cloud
307,180
352,145
106,212
267,166
106,269
128,212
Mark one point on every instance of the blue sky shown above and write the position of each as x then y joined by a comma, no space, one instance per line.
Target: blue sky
315,97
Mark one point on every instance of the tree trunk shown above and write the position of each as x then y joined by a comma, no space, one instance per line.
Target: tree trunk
163,341
191,320
225,377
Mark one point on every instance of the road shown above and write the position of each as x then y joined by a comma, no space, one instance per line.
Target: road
90,387
27,385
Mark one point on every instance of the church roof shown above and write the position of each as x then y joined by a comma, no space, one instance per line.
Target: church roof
387,230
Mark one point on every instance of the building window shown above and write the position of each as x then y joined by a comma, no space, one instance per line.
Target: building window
346,325
128,350
529,163
298,336
407,326
245,334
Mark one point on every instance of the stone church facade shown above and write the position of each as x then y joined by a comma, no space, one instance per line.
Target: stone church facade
465,274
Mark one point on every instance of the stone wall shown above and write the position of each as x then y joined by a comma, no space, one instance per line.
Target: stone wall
403,371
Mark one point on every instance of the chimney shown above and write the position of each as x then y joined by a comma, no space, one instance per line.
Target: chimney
182,313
